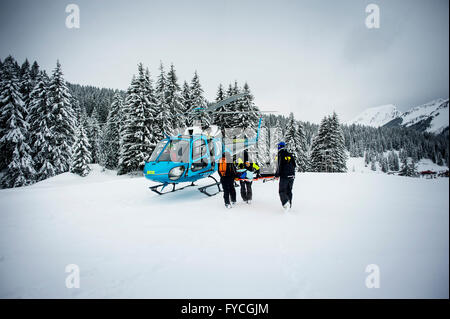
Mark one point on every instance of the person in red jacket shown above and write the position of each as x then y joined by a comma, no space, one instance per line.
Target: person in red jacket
227,173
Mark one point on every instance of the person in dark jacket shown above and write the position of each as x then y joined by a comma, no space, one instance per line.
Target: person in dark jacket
286,173
248,171
227,173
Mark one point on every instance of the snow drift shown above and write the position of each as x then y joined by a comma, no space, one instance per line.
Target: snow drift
132,243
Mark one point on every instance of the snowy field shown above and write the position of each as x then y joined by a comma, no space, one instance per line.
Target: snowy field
129,242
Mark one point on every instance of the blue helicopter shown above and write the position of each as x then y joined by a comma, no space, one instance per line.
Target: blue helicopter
193,156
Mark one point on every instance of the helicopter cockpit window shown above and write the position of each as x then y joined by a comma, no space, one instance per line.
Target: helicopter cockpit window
176,151
159,147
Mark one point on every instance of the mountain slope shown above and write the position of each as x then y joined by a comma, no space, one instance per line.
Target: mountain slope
376,116
431,117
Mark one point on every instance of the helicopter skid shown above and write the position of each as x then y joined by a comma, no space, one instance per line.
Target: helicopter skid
204,189
158,189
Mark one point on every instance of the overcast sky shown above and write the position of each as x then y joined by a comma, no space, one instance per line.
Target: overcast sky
309,57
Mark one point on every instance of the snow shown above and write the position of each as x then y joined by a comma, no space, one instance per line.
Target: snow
436,109
420,112
132,243
381,115
376,116
440,120
357,165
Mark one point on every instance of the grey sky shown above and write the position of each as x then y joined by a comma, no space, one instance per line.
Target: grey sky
309,57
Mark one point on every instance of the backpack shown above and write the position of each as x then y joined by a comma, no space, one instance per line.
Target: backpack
287,160
222,166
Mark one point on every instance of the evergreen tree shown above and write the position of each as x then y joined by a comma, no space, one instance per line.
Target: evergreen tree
112,133
164,115
9,93
34,73
337,143
139,132
328,147
248,113
14,138
384,165
413,168
186,103
302,151
174,100
296,143
373,166
221,114
94,135
81,154
62,121
40,119
26,84
198,103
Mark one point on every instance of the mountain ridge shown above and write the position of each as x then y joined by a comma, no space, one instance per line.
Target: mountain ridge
431,117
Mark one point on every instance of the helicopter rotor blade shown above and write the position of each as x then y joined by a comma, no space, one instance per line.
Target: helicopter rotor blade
223,102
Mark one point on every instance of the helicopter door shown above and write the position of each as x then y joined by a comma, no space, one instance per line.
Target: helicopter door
200,156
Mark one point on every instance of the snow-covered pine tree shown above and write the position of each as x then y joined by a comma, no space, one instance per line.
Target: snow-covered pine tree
249,113
187,103
174,100
81,154
138,134
263,146
164,117
296,143
14,139
302,149
219,116
234,119
112,133
93,133
26,84
41,137
320,154
373,165
405,169
328,147
393,161
62,121
413,168
337,143
152,132
9,77
34,73
384,165
198,102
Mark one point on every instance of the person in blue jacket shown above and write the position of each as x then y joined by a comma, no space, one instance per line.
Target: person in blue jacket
248,171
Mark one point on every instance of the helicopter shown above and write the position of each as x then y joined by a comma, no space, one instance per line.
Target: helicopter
193,155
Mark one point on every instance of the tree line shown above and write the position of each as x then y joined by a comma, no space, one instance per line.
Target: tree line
49,126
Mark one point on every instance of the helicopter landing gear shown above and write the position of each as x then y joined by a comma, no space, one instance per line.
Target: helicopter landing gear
204,189
158,189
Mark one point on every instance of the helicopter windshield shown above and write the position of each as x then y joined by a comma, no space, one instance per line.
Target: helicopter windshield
176,151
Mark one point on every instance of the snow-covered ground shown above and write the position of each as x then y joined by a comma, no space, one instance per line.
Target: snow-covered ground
130,242
357,165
